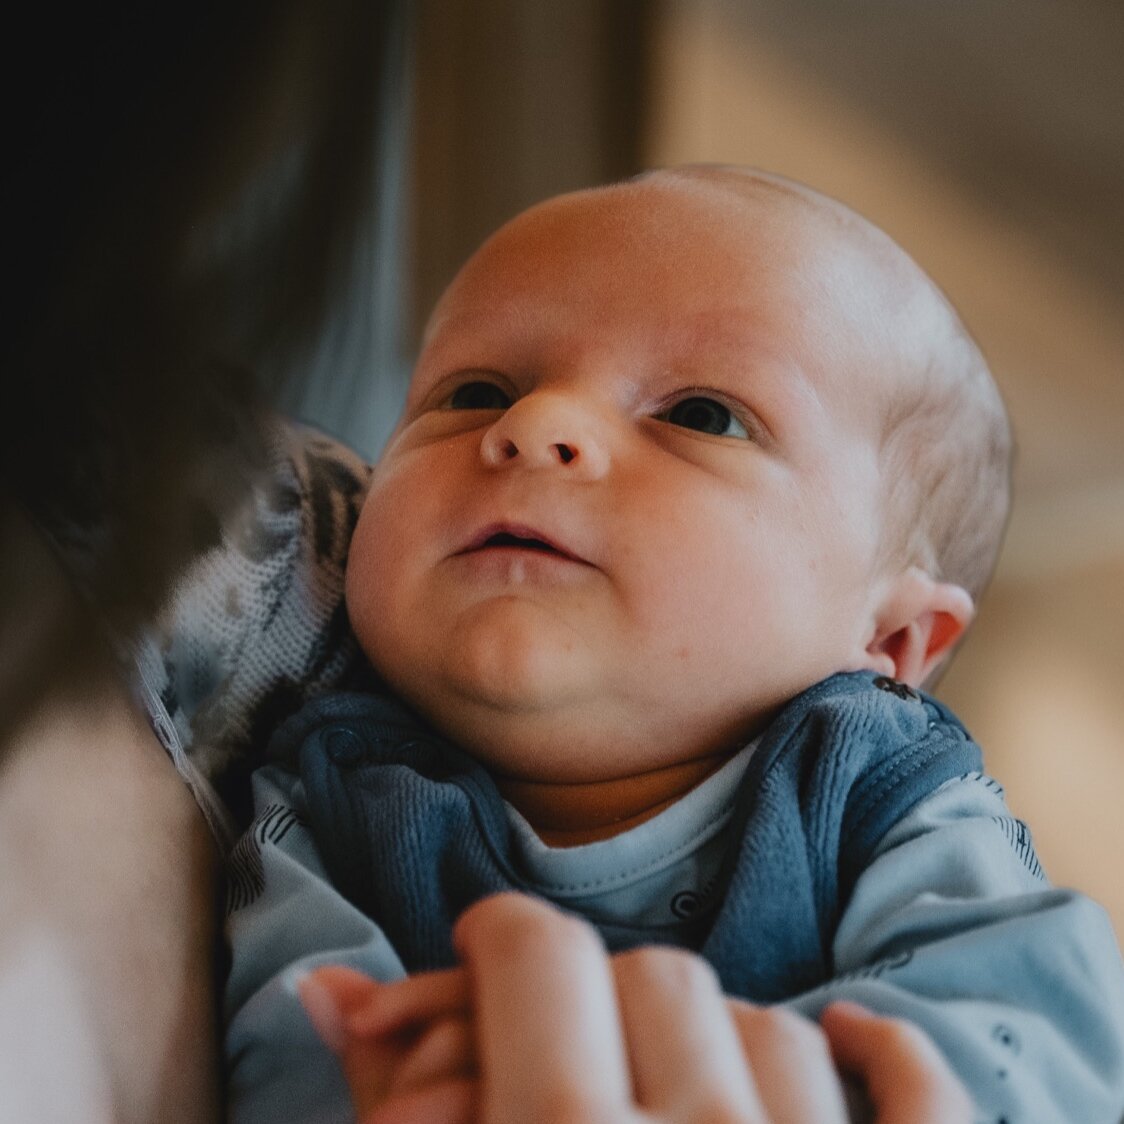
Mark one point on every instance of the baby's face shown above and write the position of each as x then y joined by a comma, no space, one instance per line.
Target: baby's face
634,502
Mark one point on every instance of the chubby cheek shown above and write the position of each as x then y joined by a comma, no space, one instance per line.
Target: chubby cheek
684,596
377,576
734,601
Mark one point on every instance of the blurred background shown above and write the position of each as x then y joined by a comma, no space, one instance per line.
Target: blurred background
986,136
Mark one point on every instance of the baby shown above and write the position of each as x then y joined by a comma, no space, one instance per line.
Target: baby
698,480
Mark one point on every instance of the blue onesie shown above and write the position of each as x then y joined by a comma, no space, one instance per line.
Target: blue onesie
854,850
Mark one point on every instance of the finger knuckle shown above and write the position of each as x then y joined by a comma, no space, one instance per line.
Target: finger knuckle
796,1033
525,928
719,1110
571,1105
531,936
900,1035
671,968
449,1036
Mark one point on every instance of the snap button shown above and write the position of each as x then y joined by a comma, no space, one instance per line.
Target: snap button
344,746
902,690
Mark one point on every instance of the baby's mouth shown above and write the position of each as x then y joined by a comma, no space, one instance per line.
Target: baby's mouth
504,539
509,537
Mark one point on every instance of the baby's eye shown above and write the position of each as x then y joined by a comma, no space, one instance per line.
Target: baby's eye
705,415
479,395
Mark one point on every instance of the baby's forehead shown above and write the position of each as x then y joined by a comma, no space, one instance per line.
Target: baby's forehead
835,272
683,216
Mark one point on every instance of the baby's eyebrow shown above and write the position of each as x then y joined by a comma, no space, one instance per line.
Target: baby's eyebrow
517,320
732,337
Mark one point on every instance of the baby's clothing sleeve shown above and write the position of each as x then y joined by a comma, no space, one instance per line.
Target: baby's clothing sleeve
284,918
256,624
954,927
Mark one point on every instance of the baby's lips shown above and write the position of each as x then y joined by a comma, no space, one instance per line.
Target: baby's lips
505,534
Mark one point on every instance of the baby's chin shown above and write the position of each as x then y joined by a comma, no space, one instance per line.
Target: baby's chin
513,733
568,742
479,676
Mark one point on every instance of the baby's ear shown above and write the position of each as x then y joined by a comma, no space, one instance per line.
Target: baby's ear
917,623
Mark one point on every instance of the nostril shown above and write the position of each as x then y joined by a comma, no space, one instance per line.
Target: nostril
565,453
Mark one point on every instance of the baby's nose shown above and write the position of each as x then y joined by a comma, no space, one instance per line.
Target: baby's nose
547,430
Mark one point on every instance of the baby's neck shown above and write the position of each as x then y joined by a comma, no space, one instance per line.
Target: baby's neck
567,815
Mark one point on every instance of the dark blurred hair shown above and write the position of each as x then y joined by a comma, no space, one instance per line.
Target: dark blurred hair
184,179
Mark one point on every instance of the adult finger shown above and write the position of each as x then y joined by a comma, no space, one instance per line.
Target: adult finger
444,1052
424,998
331,996
447,1102
405,1058
906,1077
791,1063
683,1046
548,1036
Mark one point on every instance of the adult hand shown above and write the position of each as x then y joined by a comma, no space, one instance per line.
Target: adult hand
543,1025
563,1033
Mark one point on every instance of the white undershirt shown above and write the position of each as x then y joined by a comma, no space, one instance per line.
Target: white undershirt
653,874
